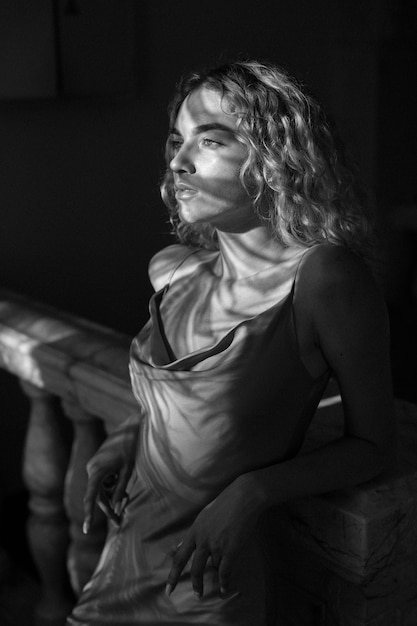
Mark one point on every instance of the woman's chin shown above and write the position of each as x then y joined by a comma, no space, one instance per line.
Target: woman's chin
189,217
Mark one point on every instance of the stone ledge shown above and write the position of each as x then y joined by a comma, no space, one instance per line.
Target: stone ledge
68,356
367,535
309,582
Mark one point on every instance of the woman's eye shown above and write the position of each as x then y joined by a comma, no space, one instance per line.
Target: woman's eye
175,145
210,143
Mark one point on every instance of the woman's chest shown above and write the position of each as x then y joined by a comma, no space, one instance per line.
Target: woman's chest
199,312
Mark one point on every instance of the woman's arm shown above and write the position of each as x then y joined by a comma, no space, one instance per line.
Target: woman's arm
349,322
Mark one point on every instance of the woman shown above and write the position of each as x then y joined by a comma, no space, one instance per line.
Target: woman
266,294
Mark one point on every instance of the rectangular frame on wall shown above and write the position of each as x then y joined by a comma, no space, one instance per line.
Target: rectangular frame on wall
52,48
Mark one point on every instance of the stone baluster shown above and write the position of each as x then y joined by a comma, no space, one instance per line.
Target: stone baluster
45,462
84,550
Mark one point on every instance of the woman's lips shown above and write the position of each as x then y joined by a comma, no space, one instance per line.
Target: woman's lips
184,193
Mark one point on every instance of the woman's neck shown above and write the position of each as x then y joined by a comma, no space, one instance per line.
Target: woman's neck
245,254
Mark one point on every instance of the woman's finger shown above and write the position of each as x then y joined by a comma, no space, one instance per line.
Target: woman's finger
104,503
215,559
90,498
197,571
120,506
180,560
225,567
119,492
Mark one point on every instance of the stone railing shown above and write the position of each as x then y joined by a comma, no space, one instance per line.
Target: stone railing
68,368
343,559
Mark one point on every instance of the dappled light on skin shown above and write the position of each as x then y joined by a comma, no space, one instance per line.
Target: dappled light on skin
212,298
207,156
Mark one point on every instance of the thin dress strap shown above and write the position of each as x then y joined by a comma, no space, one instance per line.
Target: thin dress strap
178,265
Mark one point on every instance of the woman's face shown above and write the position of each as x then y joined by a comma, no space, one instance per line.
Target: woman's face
207,159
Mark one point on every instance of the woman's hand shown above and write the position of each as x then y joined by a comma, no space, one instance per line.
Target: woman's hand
108,472
221,532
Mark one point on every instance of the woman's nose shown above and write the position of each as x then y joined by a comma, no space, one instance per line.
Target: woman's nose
182,161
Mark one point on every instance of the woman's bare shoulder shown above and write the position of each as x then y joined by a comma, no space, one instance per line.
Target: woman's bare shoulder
334,281
330,269
176,257
164,262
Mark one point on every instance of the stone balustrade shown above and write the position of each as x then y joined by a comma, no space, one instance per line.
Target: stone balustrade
341,559
73,372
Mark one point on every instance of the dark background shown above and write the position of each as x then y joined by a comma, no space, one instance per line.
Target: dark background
84,87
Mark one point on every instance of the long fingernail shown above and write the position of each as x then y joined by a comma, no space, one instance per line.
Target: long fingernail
169,589
86,527
198,594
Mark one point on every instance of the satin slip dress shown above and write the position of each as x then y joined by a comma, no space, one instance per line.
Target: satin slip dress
207,417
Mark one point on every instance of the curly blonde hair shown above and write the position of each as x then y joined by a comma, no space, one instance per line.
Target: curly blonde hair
295,170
